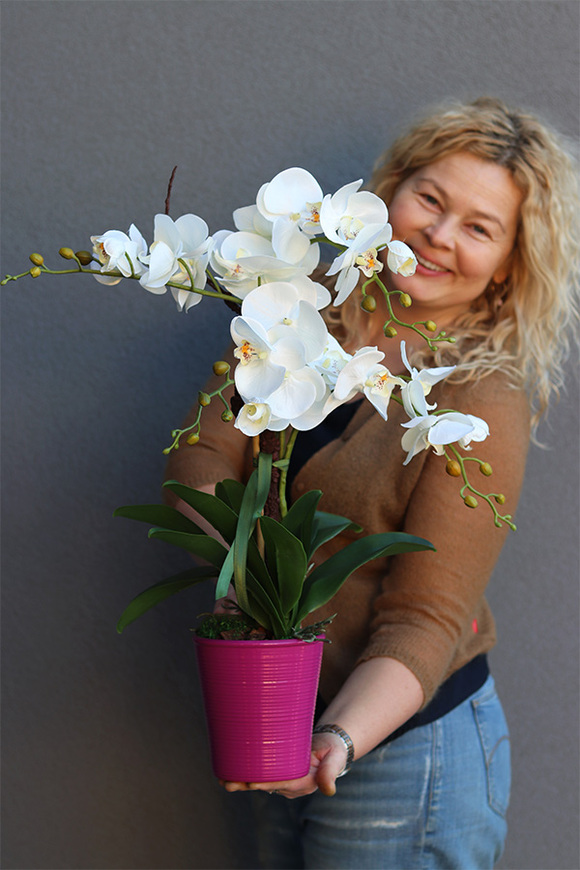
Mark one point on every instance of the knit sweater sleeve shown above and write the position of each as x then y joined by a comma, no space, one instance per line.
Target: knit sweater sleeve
425,610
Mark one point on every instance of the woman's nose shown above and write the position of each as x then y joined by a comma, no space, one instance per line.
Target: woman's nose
441,232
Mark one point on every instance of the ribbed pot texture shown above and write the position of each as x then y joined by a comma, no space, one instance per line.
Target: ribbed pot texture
259,698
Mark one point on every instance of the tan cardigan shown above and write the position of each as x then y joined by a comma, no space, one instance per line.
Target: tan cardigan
425,609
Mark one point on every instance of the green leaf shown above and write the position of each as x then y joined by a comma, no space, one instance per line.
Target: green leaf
159,515
328,526
231,492
326,579
253,503
225,575
265,608
300,517
213,509
200,545
286,561
160,591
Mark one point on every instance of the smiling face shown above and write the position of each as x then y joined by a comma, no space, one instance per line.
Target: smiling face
460,216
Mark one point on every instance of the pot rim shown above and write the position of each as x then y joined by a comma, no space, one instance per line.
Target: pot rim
291,641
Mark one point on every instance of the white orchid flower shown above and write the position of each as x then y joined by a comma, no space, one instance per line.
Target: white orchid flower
401,259
437,431
253,418
479,433
344,214
287,309
331,361
187,240
360,255
314,414
297,393
291,201
262,363
414,392
246,259
365,374
248,219
117,250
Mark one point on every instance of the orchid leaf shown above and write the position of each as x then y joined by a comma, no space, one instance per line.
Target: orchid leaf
160,591
253,503
327,578
286,561
159,515
265,608
219,515
300,517
328,526
231,492
200,545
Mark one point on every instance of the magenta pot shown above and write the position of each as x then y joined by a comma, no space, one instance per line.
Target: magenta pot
259,704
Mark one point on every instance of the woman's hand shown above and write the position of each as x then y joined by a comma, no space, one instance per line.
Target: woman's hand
327,761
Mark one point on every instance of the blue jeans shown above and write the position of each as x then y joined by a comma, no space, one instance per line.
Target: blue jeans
434,798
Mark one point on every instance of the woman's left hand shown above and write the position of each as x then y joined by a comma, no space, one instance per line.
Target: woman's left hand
327,761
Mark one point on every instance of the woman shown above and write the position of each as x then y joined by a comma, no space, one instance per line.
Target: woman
485,198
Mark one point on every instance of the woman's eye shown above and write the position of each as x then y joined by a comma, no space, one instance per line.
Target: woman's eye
429,199
481,231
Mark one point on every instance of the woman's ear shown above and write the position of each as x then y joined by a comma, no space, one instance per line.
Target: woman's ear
502,272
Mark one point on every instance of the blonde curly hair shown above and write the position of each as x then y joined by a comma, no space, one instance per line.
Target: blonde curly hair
524,325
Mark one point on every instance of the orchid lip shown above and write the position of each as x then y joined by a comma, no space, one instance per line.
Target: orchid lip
429,264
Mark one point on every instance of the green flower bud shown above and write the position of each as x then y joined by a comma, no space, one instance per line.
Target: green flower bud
500,498
389,331
203,399
431,326
220,367
470,501
485,468
35,271
227,415
193,438
405,300
369,304
453,468
66,253
37,259
84,257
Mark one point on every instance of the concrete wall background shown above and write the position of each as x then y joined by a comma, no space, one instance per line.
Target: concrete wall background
105,759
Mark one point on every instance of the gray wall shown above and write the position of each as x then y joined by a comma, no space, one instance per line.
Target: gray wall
105,762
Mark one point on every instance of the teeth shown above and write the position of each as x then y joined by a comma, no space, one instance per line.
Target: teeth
428,264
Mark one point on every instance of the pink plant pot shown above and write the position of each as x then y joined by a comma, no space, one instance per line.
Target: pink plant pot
259,700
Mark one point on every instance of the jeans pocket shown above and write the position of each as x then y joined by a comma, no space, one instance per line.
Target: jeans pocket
495,743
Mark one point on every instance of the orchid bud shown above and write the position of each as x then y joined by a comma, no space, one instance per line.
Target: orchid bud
405,300
220,367
369,304
37,259
390,331
66,253
193,438
84,257
453,468
431,326
470,501
203,399
500,498
485,468
35,271
227,415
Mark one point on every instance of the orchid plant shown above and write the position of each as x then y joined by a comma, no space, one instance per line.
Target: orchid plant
290,373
